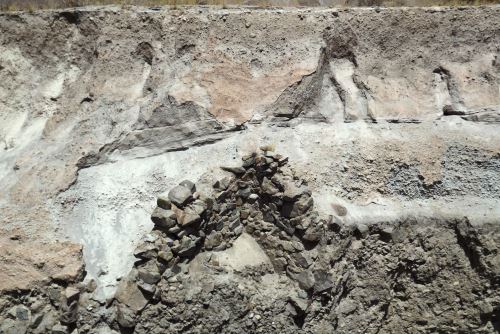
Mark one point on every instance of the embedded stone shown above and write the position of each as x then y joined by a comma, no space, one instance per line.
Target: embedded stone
59,329
125,316
71,294
70,313
213,240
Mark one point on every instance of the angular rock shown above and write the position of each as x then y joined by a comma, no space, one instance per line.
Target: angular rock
163,219
299,304
69,313
189,185
146,250
187,247
199,207
20,312
59,329
163,202
146,287
180,196
301,206
234,170
292,192
125,316
166,255
305,279
129,294
54,292
322,281
248,160
362,229
149,273
268,187
313,233
71,294
223,183
213,240
188,217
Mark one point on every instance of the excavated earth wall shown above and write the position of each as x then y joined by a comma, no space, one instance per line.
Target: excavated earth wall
390,119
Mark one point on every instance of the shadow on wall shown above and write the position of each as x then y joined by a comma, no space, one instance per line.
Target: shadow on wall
13,5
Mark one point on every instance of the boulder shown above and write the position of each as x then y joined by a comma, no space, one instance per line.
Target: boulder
180,196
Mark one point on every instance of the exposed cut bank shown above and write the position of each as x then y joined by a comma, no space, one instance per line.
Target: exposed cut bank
388,219
253,255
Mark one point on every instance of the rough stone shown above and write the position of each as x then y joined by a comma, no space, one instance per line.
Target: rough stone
189,185
59,329
163,202
71,294
125,316
180,196
234,170
129,294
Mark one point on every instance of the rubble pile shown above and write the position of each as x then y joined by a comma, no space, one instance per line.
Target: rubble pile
262,197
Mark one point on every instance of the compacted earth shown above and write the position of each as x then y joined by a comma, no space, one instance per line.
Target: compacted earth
206,170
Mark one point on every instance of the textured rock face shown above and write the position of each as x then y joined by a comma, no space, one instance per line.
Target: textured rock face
278,265
386,114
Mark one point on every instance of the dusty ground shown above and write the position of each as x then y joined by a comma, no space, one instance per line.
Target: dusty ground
387,112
